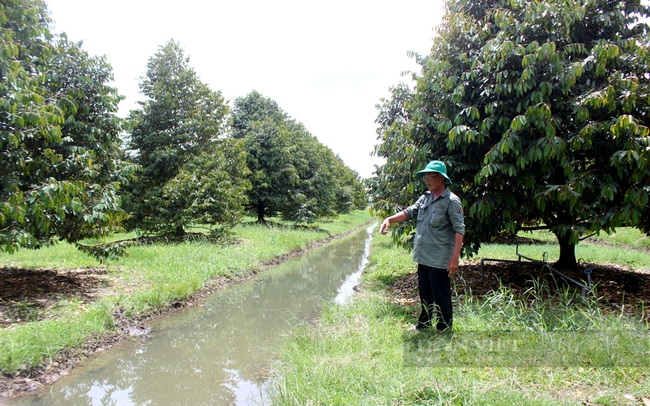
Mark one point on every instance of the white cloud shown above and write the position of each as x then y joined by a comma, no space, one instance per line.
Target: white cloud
327,64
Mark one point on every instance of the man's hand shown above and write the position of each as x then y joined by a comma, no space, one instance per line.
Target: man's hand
383,229
452,267
395,218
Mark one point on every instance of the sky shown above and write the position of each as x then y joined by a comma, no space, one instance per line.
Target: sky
327,64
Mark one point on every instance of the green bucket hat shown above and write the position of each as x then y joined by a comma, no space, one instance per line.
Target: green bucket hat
437,167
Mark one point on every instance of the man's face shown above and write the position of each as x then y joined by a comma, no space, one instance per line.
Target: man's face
434,180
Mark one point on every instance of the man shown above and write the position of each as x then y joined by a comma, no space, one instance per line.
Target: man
440,228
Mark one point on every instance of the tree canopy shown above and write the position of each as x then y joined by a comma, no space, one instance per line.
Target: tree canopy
59,135
190,175
540,111
66,175
292,173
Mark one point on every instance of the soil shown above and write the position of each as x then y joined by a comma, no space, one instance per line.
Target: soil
615,287
34,294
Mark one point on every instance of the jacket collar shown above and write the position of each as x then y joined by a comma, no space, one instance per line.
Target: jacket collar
429,195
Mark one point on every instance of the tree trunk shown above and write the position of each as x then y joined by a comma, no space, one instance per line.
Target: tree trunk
179,231
260,212
567,258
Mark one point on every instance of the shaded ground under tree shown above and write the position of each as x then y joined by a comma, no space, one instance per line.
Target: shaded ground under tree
615,287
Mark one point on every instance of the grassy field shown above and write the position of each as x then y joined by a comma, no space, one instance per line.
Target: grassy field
149,279
551,348
627,247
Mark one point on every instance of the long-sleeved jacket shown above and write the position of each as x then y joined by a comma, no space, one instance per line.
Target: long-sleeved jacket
438,221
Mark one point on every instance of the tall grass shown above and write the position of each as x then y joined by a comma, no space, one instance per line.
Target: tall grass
149,278
548,347
33,343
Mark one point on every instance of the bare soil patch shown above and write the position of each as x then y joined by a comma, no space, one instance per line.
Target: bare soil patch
615,287
32,294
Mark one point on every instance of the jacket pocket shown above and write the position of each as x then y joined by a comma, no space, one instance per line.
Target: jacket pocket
438,217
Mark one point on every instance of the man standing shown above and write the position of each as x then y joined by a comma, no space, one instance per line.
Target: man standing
440,227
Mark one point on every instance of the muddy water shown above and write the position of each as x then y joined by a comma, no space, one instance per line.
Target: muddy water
216,353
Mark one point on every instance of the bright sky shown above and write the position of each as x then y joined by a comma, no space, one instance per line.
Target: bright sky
326,63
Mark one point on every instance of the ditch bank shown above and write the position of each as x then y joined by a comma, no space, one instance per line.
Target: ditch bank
90,284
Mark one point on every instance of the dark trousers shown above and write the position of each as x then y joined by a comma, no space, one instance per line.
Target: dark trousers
435,294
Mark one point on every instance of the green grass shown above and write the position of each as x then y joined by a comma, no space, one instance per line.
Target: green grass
627,237
149,278
58,256
33,343
548,348
627,247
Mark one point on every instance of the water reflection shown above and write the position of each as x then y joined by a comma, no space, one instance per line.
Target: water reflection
215,353
347,288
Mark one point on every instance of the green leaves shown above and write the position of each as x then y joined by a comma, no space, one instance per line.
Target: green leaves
59,137
519,123
626,124
210,189
293,174
541,111
189,176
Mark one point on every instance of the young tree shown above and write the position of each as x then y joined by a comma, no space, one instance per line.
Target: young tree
174,133
210,189
251,109
351,193
59,135
293,174
273,177
540,109
316,194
